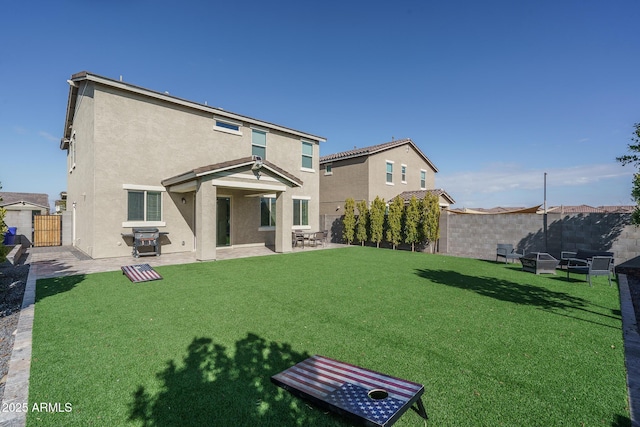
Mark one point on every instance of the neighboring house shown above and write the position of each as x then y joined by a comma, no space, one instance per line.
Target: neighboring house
384,170
21,208
208,177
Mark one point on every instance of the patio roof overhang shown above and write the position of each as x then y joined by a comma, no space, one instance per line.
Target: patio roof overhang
246,173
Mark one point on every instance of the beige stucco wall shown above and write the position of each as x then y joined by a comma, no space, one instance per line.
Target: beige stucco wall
81,177
130,139
403,155
364,178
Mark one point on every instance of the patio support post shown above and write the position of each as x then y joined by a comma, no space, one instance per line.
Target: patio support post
206,221
284,222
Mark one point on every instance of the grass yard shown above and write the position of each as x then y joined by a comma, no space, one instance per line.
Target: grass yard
494,346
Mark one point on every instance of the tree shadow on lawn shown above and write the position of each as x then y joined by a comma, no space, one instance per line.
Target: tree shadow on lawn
213,388
56,285
555,302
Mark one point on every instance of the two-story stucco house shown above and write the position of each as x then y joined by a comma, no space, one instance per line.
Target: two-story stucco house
208,178
396,168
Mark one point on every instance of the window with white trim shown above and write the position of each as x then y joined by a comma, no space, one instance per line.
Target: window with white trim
300,212
389,172
403,174
423,179
267,212
144,205
328,169
307,155
227,126
259,143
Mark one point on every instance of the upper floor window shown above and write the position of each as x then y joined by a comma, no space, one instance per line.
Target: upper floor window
328,169
267,212
389,172
259,143
228,126
404,174
307,155
423,179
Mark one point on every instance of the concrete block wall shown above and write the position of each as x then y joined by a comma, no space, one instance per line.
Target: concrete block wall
22,219
476,236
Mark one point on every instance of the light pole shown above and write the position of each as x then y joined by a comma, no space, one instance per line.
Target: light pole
544,217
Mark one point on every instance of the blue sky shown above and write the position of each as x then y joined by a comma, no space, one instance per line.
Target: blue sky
495,93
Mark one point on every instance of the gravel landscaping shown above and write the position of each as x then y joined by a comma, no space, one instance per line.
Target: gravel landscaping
13,280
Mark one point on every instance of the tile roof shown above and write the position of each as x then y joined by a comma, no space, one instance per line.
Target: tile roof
231,164
367,151
562,209
38,199
575,209
419,194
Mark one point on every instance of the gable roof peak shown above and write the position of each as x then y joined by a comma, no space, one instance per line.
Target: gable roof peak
373,149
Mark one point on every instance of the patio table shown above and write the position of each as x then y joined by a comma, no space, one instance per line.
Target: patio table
368,397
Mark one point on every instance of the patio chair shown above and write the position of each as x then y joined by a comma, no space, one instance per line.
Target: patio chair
596,266
317,238
507,251
297,237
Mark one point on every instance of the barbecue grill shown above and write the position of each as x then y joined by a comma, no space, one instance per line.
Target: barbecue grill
147,238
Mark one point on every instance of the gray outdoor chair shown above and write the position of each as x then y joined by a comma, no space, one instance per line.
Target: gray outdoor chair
596,266
507,251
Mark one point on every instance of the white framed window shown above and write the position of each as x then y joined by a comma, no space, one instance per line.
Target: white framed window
307,156
301,212
389,178
227,125
144,206
259,143
328,169
267,212
403,173
423,179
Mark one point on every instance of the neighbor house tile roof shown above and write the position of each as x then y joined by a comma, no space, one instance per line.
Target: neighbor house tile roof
562,209
373,149
419,194
38,199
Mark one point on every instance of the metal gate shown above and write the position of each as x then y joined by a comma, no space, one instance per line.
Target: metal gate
47,230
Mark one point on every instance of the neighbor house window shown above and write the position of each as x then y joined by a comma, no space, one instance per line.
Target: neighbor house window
389,172
259,143
228,126
300,212
267,212
328,170
404,173
307,155
144,205
423,179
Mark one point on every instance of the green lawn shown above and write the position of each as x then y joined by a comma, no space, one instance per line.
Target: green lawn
494,346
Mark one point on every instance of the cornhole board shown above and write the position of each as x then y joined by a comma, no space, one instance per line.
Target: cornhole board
368,397
140,273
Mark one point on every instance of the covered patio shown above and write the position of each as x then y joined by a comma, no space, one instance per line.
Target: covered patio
226,207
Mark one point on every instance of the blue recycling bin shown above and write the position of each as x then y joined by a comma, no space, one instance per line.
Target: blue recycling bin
10,236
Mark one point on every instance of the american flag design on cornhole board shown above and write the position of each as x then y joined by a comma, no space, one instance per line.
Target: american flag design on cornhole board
140,273
347,388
